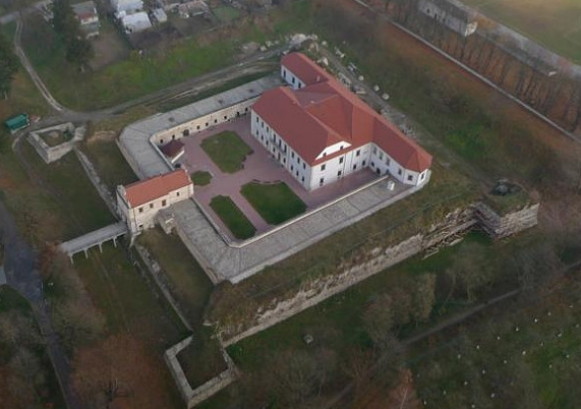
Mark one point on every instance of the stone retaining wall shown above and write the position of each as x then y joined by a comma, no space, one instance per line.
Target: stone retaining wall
454,224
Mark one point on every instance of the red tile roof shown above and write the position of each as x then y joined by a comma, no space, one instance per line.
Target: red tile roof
145,191
304,68
324,113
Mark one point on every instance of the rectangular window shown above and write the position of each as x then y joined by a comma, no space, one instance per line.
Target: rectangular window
323,167
354,166
399,171
358,152
410,178
321,181
257,119
380,155
178,193
372,164
339,173
163,203
363,163
292,155
303,179
387,161
374,149
292,168
293,80
341,159
151,205
304,166
141,210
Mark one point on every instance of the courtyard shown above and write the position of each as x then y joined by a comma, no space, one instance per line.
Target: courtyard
258,171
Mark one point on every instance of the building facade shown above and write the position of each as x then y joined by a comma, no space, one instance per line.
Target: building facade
320,132
139,202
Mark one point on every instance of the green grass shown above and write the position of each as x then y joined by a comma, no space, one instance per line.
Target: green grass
82,208
227,150
140,75
554,24
226,14
191,288
127,300
174,103
111,166
540,372
276,203
122,81
232,217
201,178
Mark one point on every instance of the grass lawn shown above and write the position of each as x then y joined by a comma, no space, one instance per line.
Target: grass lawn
529,347
83,209
174,103
226,14
232,217
276,203
132,305
554,24
140,75
112,167
201,178
227,150
191,288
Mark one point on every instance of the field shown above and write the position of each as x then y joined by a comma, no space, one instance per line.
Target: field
227,150
141,74
232,217
556,24
276,203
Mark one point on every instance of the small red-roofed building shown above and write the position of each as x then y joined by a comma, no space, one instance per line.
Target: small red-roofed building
321,132
139,202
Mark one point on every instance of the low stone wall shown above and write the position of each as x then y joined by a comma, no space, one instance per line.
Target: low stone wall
51,154
195,396
453,225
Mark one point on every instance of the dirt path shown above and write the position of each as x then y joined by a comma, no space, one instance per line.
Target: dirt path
32,72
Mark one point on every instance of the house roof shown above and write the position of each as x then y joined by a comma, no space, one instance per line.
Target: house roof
172,148
324,113
145,191
304,68
85,10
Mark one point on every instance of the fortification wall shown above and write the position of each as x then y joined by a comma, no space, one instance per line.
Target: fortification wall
452,227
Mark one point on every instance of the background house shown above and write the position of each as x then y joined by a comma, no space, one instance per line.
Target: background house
451,14
123,7
88,17
134,23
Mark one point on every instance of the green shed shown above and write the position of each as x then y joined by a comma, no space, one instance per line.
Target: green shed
17,122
